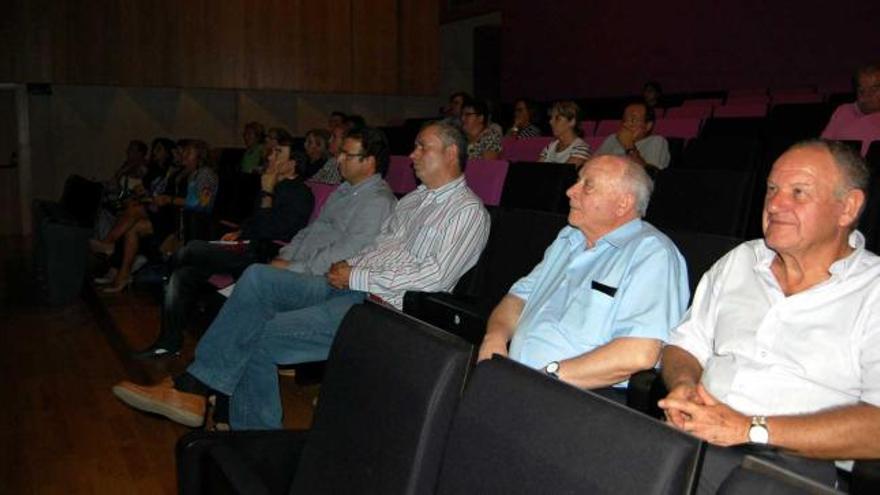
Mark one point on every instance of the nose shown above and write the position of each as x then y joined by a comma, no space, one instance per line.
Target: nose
572,191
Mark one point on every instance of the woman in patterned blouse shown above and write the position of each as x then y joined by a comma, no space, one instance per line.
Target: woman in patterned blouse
484,139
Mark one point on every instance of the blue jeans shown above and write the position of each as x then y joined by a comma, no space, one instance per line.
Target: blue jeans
273,317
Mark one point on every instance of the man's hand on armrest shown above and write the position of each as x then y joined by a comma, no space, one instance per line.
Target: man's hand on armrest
499,330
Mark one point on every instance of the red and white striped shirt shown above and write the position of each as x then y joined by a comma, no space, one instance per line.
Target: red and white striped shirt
433,237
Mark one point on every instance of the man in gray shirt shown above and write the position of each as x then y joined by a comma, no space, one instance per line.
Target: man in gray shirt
634,139
348,222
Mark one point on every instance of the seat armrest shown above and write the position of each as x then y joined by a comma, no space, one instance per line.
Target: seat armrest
645,388
253,461
463,316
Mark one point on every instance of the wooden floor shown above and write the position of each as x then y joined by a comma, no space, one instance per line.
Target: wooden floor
61,430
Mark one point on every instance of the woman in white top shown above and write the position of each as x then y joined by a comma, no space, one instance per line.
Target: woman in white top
567,147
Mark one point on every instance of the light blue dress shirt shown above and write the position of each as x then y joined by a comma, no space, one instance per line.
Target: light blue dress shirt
632,283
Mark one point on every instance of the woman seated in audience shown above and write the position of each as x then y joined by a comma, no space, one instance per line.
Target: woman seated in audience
192,189
317,151
525,114
329,173
484,139
254,135
123,193
568,147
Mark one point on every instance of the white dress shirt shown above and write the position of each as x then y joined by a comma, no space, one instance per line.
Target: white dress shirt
767,354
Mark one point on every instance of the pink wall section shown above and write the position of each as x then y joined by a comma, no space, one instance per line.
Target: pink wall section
555,49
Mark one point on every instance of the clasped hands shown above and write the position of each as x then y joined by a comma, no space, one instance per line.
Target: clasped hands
338,274
691,408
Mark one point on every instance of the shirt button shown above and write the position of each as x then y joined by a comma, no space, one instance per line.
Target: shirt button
763,354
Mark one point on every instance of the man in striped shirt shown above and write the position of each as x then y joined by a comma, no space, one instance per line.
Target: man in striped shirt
434,235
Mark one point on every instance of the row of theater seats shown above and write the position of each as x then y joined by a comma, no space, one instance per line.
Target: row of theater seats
517,241
403,411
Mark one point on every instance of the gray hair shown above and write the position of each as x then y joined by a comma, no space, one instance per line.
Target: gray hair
637,182
849,162
451,135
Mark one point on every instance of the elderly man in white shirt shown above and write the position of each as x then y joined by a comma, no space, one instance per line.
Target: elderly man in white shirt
782,344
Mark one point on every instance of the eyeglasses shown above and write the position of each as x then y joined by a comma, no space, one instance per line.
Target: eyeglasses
868,90
344,155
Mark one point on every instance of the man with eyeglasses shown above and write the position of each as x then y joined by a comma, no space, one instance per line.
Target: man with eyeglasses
635,141
859,120
434,235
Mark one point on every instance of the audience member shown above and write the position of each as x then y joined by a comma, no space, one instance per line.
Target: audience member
283,209
781,346
273,136
160,162
126,183
525,113
317,151
194,191
859,120
354,121
567,147
484,141
452,110
277,316
599,306
254,135
634,138
652,95
329,172
337,119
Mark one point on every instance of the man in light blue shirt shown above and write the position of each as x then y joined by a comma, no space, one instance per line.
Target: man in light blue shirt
600,304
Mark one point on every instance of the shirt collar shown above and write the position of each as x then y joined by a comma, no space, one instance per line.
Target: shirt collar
616,238
445,191
842,267
365,184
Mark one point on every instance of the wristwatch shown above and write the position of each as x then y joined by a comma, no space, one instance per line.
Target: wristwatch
552,369
758,431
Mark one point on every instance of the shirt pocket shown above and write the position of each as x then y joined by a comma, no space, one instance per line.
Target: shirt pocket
585,322
423,242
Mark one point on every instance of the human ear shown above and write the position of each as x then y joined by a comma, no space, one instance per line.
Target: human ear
852,205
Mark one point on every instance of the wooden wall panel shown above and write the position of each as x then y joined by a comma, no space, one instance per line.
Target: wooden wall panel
375,61
419,47
338,46
324,33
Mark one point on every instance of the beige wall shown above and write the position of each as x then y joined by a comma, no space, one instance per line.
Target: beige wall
85,129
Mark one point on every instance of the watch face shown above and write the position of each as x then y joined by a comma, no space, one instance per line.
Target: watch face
552,368
758,434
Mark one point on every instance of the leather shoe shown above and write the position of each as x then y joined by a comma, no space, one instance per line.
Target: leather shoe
163,399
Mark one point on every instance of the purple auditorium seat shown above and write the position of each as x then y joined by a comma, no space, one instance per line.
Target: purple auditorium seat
702,102
400,175
588,127
685,127
486,179
607,127
594,142
746,93
523,150
321,192
747,99
741,110
783,97
703,111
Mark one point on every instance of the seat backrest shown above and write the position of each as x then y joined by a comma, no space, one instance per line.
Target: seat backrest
594,142
389,392
683,127
710,201
607,127
588,127
690,111
516,244
721,152
518,431
321,192
486,179
758,477
701,251
782,98
734,126
741,109
701,102
538,186
524,149
400,176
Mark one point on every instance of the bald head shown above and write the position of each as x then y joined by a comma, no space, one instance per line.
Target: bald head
610,191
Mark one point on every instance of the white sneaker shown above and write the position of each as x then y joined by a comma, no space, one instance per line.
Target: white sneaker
108,277
139,263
